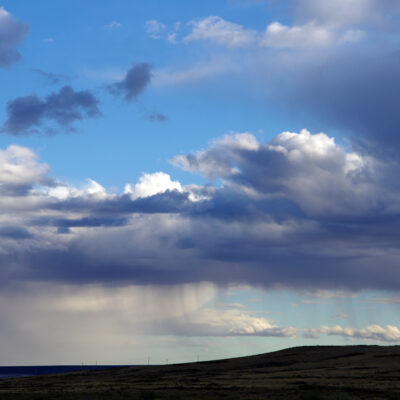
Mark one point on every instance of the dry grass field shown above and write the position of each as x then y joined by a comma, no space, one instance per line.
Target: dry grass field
304,373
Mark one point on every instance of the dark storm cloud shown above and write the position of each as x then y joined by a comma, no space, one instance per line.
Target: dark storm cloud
356,91
352,87
134,83
298,211
27,114
12,32
344,12
86,222
170,202
157,260
14,232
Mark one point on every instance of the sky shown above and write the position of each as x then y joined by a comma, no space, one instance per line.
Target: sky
191,181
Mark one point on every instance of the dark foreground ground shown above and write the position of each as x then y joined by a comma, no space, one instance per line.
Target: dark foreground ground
305,373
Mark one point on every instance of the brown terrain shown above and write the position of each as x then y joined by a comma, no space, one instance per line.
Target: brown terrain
305,373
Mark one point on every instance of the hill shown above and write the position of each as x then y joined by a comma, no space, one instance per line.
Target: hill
304,373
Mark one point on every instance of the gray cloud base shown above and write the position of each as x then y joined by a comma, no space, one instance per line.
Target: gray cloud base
298,211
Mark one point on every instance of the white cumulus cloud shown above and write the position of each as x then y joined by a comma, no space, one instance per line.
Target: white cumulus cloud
219,31
388,333
151,184
278,35
20,165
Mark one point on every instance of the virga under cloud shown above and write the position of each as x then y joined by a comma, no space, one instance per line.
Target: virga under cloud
300,213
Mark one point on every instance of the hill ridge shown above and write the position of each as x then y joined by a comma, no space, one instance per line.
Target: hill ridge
322,372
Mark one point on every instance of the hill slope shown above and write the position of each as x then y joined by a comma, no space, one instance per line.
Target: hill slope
318,372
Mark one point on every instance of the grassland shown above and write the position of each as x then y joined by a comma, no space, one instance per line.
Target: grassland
304,373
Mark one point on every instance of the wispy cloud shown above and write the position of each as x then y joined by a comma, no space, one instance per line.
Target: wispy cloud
341,315
329,294
113,25
51,77
155,29
156,117
217,30
385,300
190,75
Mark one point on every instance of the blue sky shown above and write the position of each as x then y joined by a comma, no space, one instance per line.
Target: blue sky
213,178
92,55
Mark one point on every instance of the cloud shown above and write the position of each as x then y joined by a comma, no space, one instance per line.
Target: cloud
171,37
277,35
335,65
12,33
345,12
323,24
316,24
91,190
113,25
151,184
134,83
181,310
155,29
51,77
20,170
140,316
385,300
341,315
219,31
151,115
193,74
64,223
361,102
310,170
330,294
27,114
298,211
231,322
14,232
158,30
156,117
389,333
308,35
